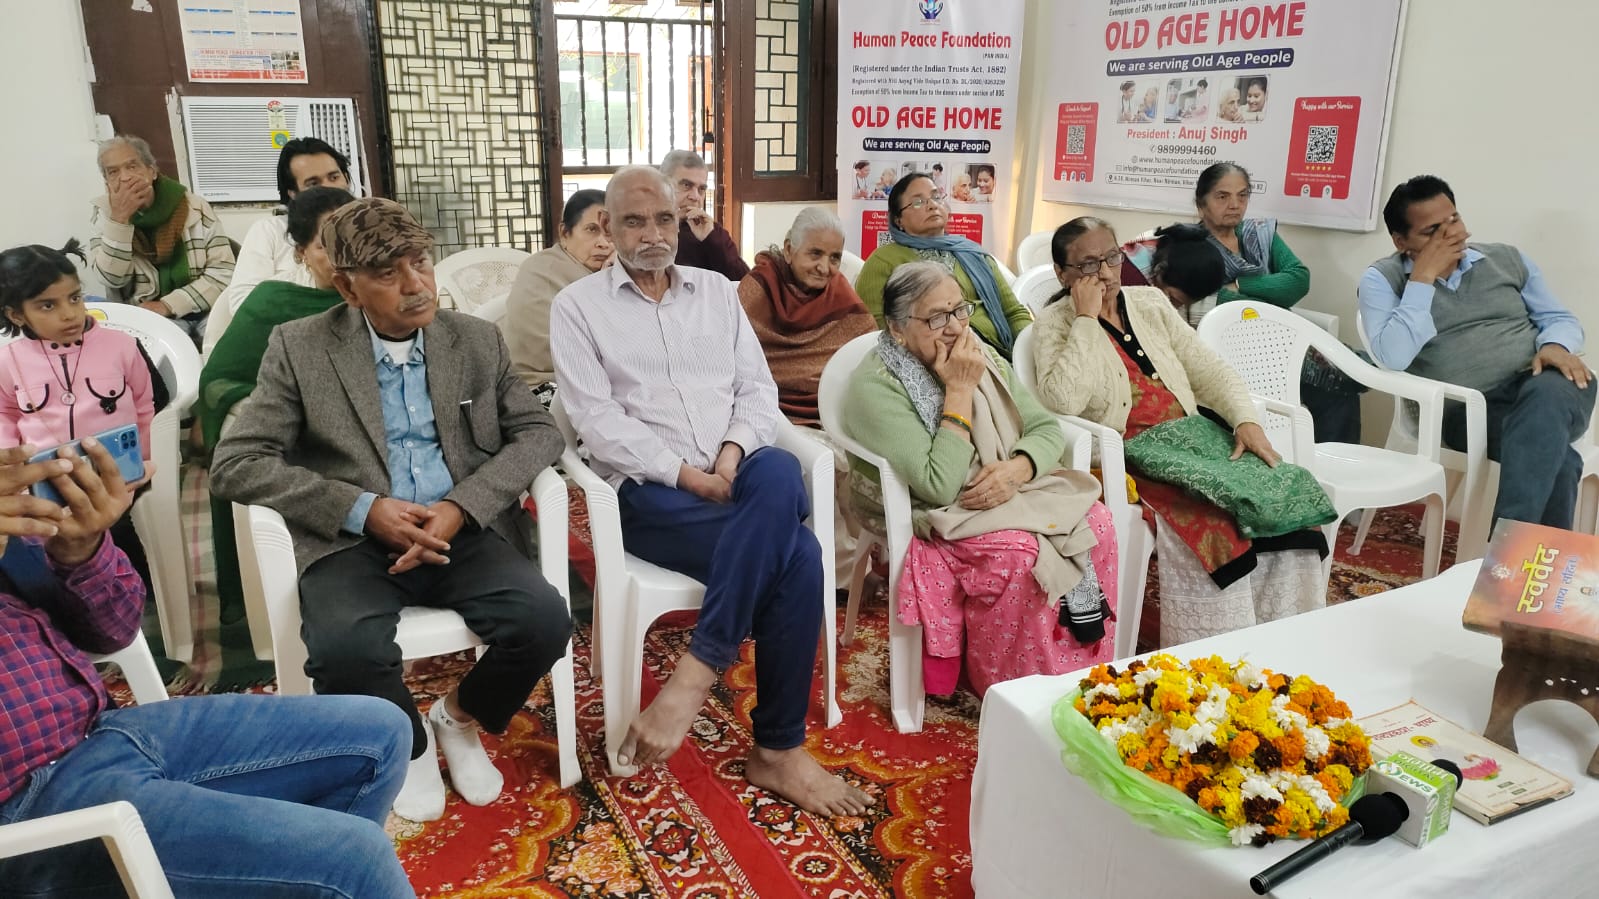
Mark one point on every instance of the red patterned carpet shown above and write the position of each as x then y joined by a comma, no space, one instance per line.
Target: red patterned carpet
695,829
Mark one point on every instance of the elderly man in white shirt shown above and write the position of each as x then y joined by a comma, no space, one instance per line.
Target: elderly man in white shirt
667,385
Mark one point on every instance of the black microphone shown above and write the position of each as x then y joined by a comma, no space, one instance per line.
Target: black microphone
1371,818
1452,768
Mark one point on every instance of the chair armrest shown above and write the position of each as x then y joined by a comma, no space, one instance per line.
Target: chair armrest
816,462
549,495
1426,393
117,824
1079,454
1301,428
605,516
1112,461
1323,320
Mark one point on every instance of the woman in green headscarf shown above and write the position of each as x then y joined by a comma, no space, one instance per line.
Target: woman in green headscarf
230,372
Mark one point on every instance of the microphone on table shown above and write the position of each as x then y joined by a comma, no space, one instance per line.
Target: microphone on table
1371,818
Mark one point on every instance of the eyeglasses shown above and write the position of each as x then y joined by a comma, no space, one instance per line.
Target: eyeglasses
920,202
938,321
1091,266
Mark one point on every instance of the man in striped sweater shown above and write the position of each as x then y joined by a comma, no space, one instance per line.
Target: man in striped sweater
159,245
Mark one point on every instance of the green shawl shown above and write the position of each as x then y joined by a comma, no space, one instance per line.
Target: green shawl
157,235
230,372
228,377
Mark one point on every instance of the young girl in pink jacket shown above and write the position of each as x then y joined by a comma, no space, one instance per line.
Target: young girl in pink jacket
64,376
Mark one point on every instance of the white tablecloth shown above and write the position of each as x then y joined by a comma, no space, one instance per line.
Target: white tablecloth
1039,831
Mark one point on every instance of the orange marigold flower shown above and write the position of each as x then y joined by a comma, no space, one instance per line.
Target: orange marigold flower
1292,749
1243,745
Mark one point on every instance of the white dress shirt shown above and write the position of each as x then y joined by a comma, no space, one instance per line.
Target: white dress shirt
651,386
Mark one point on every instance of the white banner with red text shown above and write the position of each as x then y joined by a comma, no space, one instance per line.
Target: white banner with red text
1145,95
929,86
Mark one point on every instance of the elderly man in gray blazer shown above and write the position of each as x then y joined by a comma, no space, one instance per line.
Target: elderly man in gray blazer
396,440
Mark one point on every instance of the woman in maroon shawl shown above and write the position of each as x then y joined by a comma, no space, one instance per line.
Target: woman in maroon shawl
803,310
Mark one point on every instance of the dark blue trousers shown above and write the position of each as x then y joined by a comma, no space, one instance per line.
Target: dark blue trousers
1532,420
762,570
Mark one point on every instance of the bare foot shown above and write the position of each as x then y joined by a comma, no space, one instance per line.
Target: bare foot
795,776
659,730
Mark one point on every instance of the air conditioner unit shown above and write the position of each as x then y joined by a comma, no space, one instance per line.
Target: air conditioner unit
233,142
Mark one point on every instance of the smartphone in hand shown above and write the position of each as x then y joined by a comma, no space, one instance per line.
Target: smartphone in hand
123,445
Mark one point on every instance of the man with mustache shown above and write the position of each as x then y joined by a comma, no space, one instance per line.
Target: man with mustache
395,440
665,381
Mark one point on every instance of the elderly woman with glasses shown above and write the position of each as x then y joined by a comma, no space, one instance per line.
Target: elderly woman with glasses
1123,357
1012,569
917,217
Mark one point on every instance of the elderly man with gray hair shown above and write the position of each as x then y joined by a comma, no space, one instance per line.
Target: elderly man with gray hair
701,242
395,440
665,382
158,245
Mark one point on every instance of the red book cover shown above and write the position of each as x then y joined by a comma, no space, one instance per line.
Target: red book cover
1539,577
1321,147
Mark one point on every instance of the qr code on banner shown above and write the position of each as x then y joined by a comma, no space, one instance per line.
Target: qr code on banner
1076,140
1322,145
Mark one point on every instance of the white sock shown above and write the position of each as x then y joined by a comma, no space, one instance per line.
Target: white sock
471,772
422,796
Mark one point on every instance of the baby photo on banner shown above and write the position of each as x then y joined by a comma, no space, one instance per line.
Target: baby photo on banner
1145,96
929,86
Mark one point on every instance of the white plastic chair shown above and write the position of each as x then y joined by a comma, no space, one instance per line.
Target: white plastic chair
1135,544
473,277
1035,286
1034,251
117,824
1266,346
1471,499
630,593
493,311
1006,273
155,515
851,266
423,632
138,669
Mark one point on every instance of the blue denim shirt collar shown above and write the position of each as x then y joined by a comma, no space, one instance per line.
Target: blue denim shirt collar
381,352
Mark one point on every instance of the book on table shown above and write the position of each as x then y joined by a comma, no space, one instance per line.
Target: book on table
1537,577
1496,783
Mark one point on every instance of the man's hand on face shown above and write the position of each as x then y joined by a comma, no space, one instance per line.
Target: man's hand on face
127,197
700,223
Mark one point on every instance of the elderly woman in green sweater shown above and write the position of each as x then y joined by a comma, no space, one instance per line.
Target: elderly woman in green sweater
1012,569
1261,267
918,214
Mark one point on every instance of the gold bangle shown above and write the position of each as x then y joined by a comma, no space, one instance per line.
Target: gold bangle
957,421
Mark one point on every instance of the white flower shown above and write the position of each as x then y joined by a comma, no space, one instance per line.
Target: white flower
1098,690
1248,675
1244,834
1287,719
1146,677
1255,785
1317,743
1213,709
1115,729
1189,739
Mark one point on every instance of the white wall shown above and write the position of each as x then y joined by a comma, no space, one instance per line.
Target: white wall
49,146
1492,101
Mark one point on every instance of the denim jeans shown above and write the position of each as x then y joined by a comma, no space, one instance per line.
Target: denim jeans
762,570
1532,421
242,795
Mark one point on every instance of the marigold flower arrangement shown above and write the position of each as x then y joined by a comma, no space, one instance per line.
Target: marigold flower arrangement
1268,755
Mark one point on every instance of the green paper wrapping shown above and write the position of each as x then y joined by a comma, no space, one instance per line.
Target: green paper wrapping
1159,807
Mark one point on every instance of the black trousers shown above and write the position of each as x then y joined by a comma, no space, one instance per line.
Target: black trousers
350,606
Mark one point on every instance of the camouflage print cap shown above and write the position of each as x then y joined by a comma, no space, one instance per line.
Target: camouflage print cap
371,232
